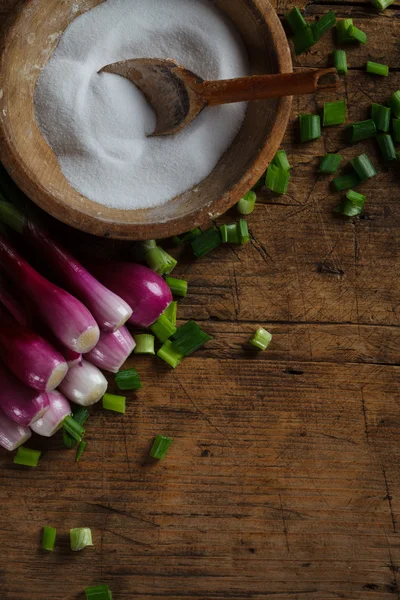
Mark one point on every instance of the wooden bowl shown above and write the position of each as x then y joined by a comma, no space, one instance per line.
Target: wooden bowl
28,43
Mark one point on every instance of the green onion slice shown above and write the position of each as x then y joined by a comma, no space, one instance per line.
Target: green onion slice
296,20
363,167
163,328
395,104
160,447
49,538
357,35
303,40
345,182
342,31
98,592
330,163
80,415
235,233
128,380
261,339
247,204
381,117
114,403
189,338
310,127
352,206
280,160
144,343
377,69
386,146
80,450
277,180
207,242
334,113
187,237
160,261
80,538
73,431
171,312
170,355
178,287
27,457
363,130
324,24
381,4
340,61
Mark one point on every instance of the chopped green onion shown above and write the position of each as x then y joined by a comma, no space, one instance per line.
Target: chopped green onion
189,338
277,180
171,311
357,34
187,237
144,344
386,146
363,130
381,117
170,355
114,403
340,61
206,242
310,127
303,40
80,414
80,538
79,451
27,457
280,160
296,20
334,113
396,130
163,328
323,25
381,4
160,447
261,339
98,592
342,30
377,68
345,182
235,233
128,380
49,538
178,287
395,104
352,206
73,429
247,204
244,232
160,261
363,167
330,163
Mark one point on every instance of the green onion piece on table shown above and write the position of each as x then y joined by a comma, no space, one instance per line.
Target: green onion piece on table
342,31
247,204
340,61
363,167
171,312
277,180
261,339
178,287
310,127
396,130
303,40
352,206
345,182
206,242
363,130
80,415
330,163
395,104
160,447
386,146
80,450
73,429
381,4
80,538
114,403
280,160
144,344
49,538
381,117
160,261
324,24
98,592
377,69
235,233
27,457
163,328
186,238
334,113
170,355
296,20
357,35
189,338
128,380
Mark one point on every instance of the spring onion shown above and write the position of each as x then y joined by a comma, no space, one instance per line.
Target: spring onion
395,104
334,113
160,261
207,242
296,20
386,146
377,68
80,450
247,204
310,127
280,160
363,167
80,538
189,338
170,355
340,61
330,163
114,403
144,344
381,4
261,339
363,130
53,418
396,130
187,237
178,287
84,384
73,428
235,233
49,538
342,31
160,447
128,380
381,117
163,328
277,180
27,457
323,25
303,40
352,206
19,402
98,592
12,435
112,350
347,181
171,312
357,35
80,415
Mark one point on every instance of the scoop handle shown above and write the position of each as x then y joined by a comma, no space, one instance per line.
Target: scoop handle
262,87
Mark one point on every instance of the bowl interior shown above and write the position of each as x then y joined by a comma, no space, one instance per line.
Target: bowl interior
28,44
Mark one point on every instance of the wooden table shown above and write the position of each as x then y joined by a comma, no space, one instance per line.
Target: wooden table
283,479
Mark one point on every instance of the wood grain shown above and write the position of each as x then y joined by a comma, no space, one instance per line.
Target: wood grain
283,481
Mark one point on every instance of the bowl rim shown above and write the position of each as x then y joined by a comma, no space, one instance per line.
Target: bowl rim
200,217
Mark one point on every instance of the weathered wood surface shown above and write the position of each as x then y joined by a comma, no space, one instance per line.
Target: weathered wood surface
283,481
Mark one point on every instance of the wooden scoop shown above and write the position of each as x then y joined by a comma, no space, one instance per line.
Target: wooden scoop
178,95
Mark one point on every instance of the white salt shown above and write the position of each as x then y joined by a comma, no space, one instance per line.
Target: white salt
97,123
